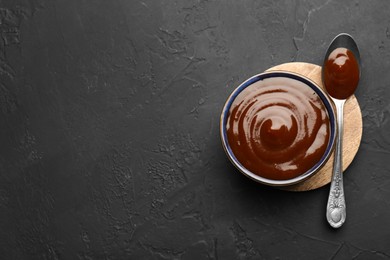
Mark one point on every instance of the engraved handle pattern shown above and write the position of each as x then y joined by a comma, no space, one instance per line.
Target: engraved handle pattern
335,209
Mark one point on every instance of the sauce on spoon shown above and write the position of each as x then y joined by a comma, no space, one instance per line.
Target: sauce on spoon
341,73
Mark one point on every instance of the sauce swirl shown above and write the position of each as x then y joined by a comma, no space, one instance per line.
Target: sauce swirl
278,128
341,73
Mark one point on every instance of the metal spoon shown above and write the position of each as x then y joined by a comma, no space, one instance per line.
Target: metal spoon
340,77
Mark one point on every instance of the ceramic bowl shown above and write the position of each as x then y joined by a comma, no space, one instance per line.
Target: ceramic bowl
329,111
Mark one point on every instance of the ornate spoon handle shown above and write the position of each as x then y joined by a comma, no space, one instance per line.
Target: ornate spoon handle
335,209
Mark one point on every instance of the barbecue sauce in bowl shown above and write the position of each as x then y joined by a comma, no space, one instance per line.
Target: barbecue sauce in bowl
278,128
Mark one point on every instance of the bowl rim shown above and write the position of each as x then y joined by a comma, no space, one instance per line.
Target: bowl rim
329,109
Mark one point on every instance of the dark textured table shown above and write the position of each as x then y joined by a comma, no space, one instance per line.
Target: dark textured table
110,149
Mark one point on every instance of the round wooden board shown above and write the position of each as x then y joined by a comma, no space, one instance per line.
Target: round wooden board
353,125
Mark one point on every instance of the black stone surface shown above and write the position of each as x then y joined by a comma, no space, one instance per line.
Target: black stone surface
109,130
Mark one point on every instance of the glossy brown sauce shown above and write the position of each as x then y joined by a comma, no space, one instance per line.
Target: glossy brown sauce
278,128
341,73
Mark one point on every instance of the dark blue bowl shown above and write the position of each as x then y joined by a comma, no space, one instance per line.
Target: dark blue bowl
329,108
